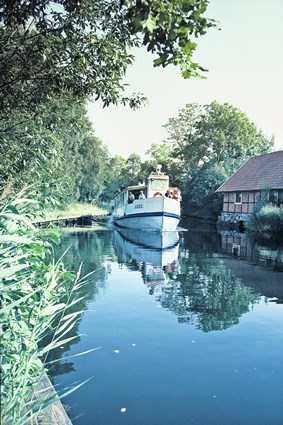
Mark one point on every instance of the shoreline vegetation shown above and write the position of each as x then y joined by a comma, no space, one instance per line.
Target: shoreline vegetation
76,209
37,295
266,223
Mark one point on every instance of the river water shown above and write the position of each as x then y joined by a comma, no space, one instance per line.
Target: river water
190,334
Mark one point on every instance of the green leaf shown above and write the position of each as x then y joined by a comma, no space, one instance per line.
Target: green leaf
150,24
50,310
17,303
10,271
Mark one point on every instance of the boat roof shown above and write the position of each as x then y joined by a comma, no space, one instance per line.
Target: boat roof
139,186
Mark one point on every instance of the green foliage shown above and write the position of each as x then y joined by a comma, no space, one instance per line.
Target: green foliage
133,167
170,29
83,47
76,209
266,222
215,133
164,154
121,172
182,135
115,177
56,55
55,152
211,142
91,168
202,185
34,292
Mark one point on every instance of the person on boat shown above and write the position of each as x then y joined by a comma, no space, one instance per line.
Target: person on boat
141,195
131,197
177,195
168,194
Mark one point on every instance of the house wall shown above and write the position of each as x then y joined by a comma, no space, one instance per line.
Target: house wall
238,205
244,205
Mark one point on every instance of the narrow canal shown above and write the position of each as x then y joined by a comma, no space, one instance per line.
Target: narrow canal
187,335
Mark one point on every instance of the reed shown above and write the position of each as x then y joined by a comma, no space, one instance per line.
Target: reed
36,293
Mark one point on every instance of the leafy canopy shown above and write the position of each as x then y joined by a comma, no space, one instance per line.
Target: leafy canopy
215,133
55,153
211,142
83,47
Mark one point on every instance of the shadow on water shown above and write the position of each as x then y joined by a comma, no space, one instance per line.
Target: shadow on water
258,266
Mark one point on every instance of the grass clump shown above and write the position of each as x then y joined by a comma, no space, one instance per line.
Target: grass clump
35,292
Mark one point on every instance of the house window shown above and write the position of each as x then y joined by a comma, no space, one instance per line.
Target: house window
238,198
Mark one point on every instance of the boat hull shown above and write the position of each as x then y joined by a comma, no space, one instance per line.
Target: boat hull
158,249
156,214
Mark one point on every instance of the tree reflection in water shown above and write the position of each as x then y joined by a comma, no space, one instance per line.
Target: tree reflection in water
206,294
194,285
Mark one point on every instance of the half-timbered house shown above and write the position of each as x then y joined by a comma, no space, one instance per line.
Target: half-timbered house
259,176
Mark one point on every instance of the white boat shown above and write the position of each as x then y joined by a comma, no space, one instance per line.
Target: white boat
153,212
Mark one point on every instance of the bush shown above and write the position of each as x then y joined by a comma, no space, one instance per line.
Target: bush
267,223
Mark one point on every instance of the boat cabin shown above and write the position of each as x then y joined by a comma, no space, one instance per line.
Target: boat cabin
147,205
157,184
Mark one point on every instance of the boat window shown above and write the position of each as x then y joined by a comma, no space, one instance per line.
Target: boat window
158,184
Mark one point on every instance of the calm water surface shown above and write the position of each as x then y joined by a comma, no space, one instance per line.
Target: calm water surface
187,336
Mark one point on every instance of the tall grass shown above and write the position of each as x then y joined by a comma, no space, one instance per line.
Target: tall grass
35,292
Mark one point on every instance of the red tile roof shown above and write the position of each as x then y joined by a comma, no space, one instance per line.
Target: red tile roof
259,172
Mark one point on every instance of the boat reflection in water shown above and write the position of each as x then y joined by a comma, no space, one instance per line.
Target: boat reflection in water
154,254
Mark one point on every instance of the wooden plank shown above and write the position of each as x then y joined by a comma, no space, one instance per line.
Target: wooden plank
54,414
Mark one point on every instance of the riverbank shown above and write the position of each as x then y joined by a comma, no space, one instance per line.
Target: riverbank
75,210
78,214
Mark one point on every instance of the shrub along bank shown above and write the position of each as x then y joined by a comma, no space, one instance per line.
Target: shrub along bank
266,223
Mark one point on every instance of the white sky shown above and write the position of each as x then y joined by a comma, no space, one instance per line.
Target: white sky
245,63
